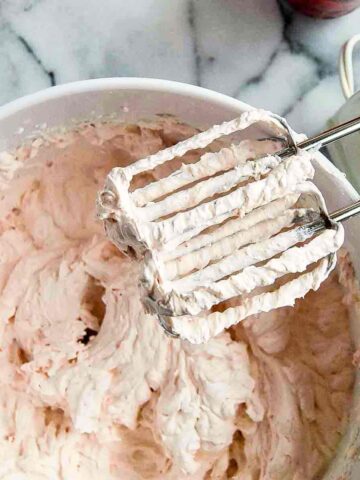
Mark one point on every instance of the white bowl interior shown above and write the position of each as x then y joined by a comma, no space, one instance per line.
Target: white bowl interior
134,99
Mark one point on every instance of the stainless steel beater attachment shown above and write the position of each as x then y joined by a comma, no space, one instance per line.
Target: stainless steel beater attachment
323,138
197,229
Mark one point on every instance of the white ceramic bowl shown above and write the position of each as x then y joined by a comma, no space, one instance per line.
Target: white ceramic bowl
130,99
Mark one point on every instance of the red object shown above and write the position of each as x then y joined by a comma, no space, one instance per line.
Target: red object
324,8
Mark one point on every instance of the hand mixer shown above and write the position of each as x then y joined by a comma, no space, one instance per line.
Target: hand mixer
231,235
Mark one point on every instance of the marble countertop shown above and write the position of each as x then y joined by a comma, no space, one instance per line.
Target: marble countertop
254,50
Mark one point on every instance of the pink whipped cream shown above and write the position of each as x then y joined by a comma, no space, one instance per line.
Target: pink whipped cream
92,388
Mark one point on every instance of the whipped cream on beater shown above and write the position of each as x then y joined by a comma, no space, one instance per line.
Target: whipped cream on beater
222,228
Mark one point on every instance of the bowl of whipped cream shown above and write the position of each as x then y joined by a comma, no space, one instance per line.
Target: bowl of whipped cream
91,387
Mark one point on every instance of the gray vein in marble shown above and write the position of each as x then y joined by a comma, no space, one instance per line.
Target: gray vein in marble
235,40
194,37
299,98
323,68
30,4
31,52
258,77
295,47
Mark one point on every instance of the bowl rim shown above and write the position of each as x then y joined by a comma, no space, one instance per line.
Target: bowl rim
147,84
120,83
